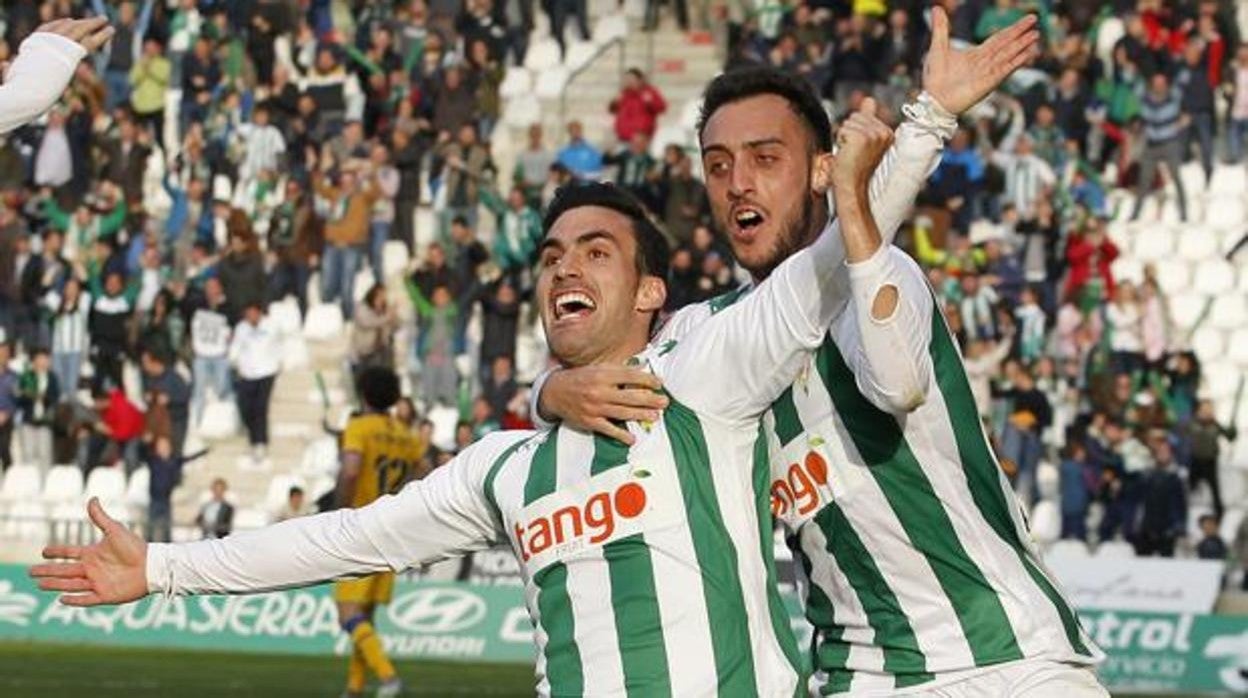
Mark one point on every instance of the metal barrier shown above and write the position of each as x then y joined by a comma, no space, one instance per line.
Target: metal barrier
618,42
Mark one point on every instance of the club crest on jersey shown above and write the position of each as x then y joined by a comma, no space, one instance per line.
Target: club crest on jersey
616,504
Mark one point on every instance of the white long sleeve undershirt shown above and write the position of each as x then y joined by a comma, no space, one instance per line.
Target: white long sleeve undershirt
35,80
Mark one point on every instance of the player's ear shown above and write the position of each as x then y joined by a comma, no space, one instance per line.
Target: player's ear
821,165
651,294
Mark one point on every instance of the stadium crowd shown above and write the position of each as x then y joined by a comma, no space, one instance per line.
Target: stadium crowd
131,236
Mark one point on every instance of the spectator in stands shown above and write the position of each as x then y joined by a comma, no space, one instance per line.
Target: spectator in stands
454,102
580,158
1193,79
110,315
1030,415
1211,545
381,223
1203,434
533,167
500,388
408,156
216,516
346,232
1237,126
124,48
149,82
1161,109
464,164
684,202
265,147
71,309
500,323
37,396
1124,322
1078,482
1089,254
517,234
163,385
114,432
295,506
435,348
241,268
636,169
293,236
210,342
255,352
637,108
372,332
1163,507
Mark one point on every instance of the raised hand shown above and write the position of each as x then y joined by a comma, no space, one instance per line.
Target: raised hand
111,571
861,140
591,398
92,32
959,79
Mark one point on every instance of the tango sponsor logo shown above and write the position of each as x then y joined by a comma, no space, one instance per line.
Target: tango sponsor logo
799,491
575,526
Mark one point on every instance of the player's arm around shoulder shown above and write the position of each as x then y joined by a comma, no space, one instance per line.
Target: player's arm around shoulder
890,331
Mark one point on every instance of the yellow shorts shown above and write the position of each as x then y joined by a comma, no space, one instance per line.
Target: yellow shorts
373,589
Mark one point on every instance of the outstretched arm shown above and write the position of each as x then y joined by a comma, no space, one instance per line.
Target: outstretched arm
44,66
441,516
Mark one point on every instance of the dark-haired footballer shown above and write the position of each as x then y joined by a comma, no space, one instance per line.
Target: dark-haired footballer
380,455
922,579
648,569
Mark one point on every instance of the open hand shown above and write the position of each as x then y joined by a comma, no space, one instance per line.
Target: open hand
959,79
112,571
92,32
591,398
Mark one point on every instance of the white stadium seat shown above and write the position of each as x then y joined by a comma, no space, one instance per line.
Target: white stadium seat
1198,244
516,82
22,482
520,112
1226,210
220,419
284,316
543,54
1127,269
1237,346
294,353
580,53
279,492
550,82
1174,275
68,521
444,420
1214,277
108,483
1046,522
27,521
689,114
324,321
1069,549
247,518
1185,308
1220,377
610,27
1152,244
63,484
320,457
1229,311
1115,550
1208,342
138,488
394,258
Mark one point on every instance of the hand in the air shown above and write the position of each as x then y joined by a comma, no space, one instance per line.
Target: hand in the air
591,398
959,79
92,32
111,571
861,140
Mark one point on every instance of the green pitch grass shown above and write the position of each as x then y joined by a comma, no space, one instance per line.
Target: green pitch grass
69,671
43,671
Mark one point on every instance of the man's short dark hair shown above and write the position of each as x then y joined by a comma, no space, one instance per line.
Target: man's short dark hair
379,387
652,249
743,83
294,490
460,220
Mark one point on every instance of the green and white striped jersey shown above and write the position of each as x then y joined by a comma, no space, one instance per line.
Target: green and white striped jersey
919,568
648,570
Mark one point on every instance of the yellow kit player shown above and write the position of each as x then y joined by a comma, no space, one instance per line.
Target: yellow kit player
379,456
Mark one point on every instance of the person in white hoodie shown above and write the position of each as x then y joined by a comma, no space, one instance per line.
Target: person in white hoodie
44,65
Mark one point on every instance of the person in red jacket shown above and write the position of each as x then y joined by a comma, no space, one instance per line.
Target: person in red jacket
637,108
1089,255
116,431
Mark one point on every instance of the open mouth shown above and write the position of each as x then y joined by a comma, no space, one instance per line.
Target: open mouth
573,304
747,218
